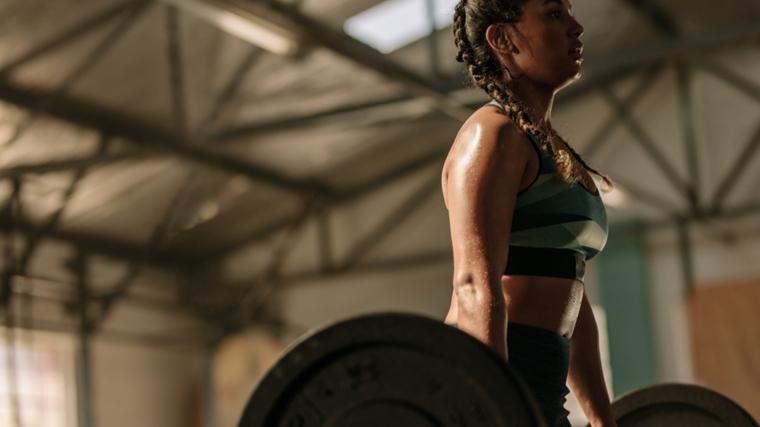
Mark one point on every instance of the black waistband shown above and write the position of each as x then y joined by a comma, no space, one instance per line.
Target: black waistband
547,262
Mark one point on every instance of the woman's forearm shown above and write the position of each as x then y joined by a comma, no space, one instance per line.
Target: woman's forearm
586,377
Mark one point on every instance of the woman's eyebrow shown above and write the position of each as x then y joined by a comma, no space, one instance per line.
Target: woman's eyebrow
569,6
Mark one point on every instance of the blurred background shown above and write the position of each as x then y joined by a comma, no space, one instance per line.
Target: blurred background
186,186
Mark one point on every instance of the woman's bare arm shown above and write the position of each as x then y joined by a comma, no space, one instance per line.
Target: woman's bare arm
586,377
482,177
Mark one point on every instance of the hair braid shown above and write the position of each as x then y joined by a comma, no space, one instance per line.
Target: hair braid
460,35
487,74
563,170
607,182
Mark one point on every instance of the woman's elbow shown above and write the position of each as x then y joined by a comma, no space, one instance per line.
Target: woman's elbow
468,287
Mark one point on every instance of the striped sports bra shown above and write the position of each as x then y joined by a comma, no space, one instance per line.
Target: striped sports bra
555,216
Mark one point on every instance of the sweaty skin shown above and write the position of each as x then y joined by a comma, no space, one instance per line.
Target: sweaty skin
490,161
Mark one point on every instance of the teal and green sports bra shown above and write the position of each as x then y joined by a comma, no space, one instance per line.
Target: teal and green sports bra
552,217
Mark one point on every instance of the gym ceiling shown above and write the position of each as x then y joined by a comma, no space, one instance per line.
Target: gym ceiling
149,156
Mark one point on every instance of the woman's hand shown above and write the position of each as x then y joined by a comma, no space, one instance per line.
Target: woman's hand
586,377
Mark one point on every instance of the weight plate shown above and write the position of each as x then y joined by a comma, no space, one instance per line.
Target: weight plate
672,405
390,370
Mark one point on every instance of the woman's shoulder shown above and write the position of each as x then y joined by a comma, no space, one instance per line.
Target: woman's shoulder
489,131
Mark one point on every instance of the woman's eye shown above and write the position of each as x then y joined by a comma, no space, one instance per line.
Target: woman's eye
556,14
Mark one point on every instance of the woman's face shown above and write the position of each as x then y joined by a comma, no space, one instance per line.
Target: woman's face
547,41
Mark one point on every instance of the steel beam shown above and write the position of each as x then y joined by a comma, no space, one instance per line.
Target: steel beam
687,257
601,78
64,165
325,239
147,134
683,76
341,197
257,128
750,208
226,95
84,395
152,248
176,71
649,146
648,198
665,49
250,130
321,35
259,292
396,218
69,35
432,38
604,132
52,222
385,266
657,15
104,46
742,84
735,171
255,236
392,175
94,244
162,305
125,337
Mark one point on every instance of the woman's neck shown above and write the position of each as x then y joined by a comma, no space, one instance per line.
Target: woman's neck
539,100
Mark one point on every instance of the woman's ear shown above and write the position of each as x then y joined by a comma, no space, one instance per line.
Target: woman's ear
499,38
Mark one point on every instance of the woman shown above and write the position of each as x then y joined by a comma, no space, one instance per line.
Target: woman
523,209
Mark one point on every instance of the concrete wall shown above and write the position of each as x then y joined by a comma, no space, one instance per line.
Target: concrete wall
145,386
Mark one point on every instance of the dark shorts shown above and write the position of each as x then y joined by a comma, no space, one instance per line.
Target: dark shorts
542,358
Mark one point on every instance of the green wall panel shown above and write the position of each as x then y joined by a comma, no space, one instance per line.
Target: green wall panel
625,297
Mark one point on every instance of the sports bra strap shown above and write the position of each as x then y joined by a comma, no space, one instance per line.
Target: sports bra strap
500,107
532,139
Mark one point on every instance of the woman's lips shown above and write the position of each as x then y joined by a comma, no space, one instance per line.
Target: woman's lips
577,51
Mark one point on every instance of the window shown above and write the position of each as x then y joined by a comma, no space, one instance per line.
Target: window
37,385
396,23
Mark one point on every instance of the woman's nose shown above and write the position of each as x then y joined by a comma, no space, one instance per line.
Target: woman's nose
576,29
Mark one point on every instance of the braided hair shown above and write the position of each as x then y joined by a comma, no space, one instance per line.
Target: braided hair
471,20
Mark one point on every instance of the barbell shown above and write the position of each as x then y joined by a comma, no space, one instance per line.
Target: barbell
386,370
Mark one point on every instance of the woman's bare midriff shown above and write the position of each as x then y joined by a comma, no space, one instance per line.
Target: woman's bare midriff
543,302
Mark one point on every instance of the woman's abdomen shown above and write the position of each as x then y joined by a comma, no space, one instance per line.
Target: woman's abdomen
543,302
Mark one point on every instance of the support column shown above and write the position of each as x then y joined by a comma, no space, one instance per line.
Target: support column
84,395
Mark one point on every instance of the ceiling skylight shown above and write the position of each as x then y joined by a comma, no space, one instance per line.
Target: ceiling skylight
396,23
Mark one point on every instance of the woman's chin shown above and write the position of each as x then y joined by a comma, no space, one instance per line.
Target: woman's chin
571,79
